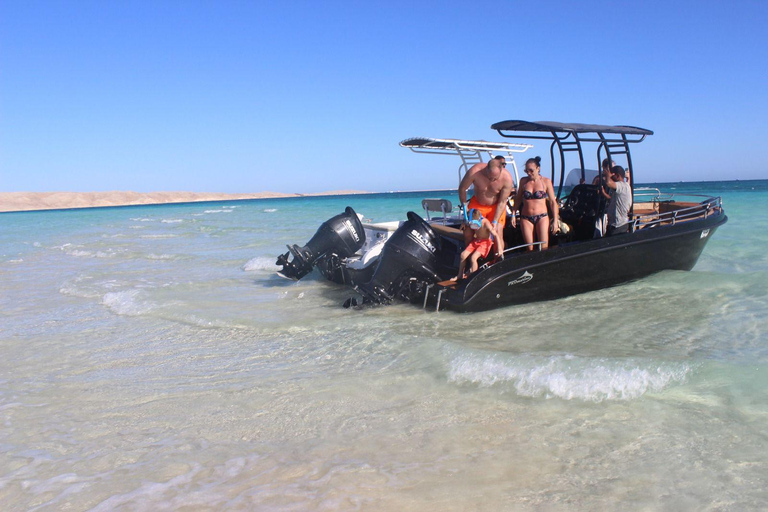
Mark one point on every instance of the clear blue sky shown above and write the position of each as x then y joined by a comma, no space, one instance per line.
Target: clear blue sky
249,96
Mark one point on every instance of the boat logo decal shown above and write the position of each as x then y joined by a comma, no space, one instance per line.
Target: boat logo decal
527,276
351,229
419,239
705,233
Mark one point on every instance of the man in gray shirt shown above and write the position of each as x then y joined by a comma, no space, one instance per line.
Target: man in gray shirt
620,202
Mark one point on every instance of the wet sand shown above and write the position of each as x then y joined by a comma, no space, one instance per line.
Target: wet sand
27,201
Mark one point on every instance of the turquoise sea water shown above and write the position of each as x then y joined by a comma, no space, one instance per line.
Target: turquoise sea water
152,360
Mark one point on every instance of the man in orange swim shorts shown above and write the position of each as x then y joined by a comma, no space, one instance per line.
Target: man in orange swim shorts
493,184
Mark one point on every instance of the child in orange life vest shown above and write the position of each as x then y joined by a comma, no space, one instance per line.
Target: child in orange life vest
480,246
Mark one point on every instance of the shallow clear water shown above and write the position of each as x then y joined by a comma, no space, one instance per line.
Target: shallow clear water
152,360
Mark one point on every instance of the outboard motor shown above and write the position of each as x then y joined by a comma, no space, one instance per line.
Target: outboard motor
341,235
408,260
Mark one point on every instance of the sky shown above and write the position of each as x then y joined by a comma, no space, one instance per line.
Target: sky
303,97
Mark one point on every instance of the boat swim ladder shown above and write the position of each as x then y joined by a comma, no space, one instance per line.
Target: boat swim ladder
437,301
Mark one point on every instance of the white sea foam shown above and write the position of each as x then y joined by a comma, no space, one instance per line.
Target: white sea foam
217,211
260,263
568,377
18,260
91,254
270,210
127,302
172,221
74,288
141,219
78,252
152,256
158,236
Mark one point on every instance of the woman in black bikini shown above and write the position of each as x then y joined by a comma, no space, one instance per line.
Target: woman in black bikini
533,194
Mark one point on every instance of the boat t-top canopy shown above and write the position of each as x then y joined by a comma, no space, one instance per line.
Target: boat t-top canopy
569,137
470,151
552,126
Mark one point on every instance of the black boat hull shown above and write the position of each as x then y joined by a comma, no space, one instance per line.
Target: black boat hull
580,267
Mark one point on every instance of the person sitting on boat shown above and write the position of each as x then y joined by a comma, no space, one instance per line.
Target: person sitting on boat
482,231
493,184
533,194
620,201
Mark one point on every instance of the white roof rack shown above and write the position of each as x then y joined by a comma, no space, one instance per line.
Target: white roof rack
470,151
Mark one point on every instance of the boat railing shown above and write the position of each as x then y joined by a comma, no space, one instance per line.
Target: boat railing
646,195
704,208
537,246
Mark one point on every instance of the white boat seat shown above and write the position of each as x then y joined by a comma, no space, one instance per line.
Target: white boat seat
437,205
360,262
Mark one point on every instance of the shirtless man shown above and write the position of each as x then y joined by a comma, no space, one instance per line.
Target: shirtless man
493,184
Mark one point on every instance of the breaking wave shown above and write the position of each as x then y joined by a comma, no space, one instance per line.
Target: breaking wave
127,303
568,377
270,210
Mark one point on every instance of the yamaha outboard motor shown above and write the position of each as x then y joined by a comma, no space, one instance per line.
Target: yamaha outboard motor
407,262
341,235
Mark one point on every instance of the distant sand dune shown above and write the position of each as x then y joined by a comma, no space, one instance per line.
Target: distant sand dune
25,201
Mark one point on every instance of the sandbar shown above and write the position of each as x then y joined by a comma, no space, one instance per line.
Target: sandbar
30,201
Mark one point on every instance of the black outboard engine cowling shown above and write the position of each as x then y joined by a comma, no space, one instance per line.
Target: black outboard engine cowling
408,258
341,235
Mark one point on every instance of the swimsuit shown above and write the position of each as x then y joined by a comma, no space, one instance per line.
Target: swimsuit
481,245
487,211
539,194
534,219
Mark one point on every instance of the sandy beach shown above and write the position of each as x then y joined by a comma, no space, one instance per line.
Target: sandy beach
27,201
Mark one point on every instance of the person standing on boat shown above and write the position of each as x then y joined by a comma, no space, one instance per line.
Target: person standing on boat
606,167
493,184
620,202
533,195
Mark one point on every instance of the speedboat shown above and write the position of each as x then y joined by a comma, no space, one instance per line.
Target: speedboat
413,260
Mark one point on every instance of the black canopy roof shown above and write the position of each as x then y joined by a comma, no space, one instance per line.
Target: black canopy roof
552,126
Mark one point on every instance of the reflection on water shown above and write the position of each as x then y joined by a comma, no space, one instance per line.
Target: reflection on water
152,360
